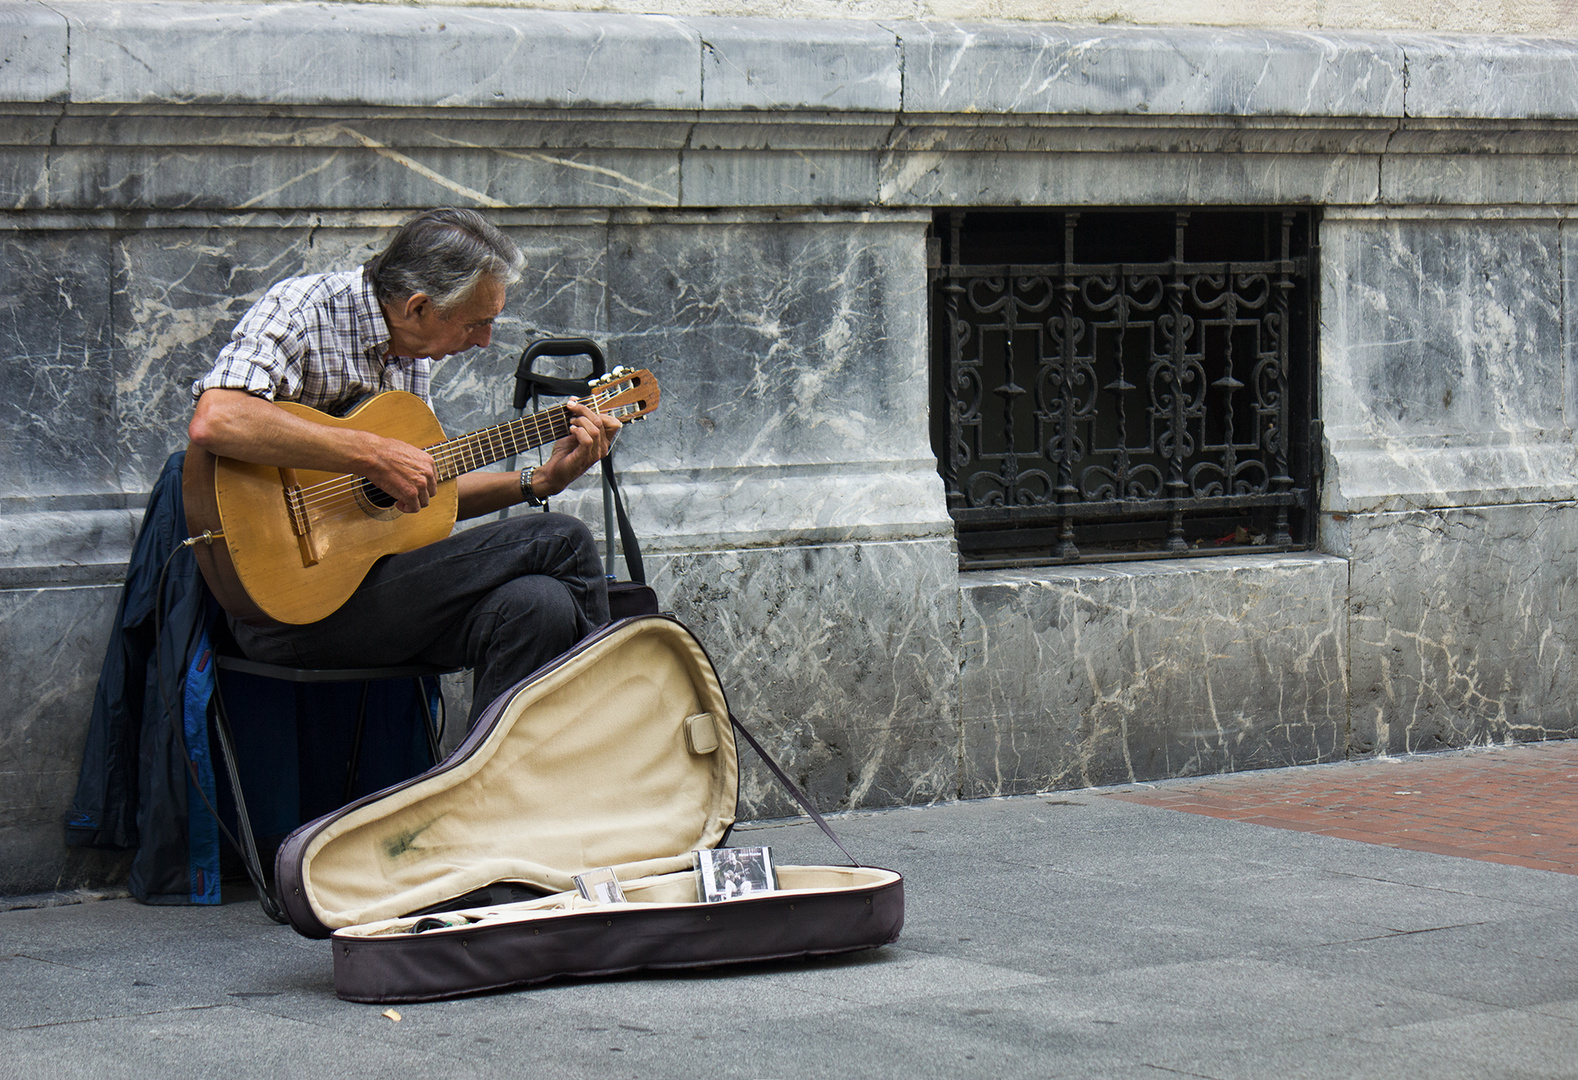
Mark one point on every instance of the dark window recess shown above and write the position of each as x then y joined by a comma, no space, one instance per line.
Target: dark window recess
1122,384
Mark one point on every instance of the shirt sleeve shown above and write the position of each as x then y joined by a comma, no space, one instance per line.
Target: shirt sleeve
265,353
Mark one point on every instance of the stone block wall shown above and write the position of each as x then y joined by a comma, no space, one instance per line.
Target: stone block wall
742,206
1099,675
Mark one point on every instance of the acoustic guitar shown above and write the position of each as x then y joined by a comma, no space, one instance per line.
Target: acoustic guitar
292,545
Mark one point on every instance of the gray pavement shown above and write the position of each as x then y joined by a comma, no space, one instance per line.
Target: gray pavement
1066,935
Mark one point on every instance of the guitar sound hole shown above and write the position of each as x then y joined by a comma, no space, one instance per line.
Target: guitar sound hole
376,495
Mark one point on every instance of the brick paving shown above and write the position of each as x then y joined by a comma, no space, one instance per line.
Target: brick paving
1516,805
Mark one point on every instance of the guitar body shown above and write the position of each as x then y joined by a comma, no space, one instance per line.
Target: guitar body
261,569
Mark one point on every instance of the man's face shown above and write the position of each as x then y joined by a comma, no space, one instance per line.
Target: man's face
418,328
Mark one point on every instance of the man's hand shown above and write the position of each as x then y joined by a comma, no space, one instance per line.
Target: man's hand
591,434
587,443
404,472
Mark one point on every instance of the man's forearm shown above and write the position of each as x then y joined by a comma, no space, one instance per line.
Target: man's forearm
485,492
235,424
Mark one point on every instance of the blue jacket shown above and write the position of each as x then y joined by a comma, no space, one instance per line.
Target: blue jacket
135,789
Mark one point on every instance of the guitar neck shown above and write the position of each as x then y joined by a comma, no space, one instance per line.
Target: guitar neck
482,448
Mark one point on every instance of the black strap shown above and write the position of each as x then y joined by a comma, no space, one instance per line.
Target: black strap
790,786
627,535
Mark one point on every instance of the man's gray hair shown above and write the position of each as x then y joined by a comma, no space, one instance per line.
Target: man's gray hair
444,253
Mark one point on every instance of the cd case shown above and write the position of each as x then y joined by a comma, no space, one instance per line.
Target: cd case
600,885
729,873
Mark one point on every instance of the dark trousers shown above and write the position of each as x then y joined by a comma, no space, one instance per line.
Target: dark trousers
502,598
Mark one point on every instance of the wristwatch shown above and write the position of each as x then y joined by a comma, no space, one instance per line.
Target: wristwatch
526,492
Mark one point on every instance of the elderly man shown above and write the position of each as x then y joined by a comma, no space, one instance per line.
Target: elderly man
501,598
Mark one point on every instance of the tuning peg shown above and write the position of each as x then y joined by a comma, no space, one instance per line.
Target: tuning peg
621,371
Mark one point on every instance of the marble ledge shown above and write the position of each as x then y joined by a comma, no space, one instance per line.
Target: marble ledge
35,63
773,64
1444,212
1042,133
147,180
519,130
1469,179
1392,478
47,545
567,130
136,180
1050,68
363,55
472,56
1124,178
534,134
56,220
1453,75
375,54
774,511
223,178
1073,577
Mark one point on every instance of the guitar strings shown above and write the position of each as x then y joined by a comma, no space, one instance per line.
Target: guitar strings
354,491
467,452
347,491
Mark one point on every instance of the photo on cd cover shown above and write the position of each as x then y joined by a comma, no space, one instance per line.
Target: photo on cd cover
728,873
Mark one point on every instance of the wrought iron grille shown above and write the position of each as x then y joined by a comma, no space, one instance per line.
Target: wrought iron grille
1124,384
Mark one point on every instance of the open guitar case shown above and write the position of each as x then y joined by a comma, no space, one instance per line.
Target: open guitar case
621,753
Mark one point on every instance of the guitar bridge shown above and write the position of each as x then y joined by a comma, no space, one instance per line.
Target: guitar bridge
296,509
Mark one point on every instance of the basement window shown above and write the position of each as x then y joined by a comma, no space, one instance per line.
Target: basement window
1122,384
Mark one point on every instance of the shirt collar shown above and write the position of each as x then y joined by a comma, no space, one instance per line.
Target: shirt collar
372,330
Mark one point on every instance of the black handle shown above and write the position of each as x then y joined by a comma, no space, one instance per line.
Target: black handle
525,378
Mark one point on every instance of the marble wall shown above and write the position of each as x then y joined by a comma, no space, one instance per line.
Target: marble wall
1447,382
1462,626
742,206
1444,358
1094,675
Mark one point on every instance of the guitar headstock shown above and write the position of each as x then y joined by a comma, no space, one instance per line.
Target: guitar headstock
625,394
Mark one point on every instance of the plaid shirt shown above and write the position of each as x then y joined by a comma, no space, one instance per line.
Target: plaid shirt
319,340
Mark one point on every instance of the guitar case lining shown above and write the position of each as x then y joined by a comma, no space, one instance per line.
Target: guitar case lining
621,754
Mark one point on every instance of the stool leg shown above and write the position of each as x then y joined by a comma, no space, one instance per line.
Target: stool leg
249,844
356,745
429,721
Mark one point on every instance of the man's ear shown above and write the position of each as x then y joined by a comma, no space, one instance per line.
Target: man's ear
413,306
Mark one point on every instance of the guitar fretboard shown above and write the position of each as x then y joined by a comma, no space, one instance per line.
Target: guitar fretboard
482,448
